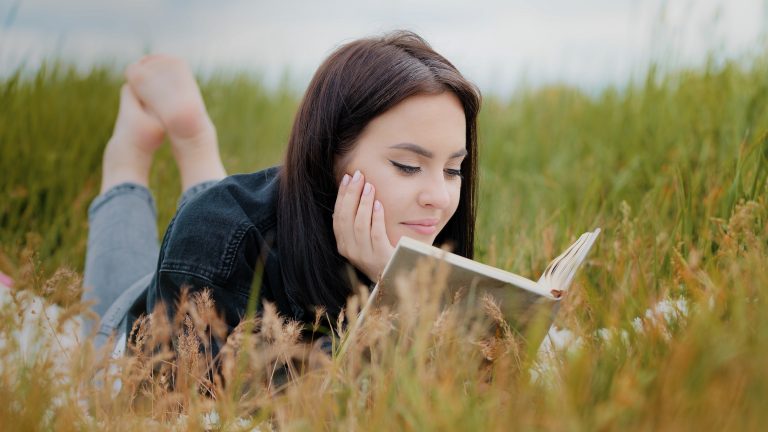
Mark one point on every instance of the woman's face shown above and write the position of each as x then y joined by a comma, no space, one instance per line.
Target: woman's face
412,155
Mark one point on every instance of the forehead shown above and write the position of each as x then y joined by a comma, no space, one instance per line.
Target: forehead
436,122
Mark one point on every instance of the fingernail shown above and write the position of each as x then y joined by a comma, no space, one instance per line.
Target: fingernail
356,177
367,189
377,205
345,180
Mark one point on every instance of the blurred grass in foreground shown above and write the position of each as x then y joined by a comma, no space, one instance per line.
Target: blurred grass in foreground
672,168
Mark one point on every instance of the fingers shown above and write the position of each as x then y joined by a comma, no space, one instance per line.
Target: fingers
352,215
358,224
338,216
345,181
345,211
362,226
347,202
379,239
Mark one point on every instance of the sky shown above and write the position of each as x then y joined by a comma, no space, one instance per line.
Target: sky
499,44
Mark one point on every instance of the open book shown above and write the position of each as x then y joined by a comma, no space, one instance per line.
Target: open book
520,299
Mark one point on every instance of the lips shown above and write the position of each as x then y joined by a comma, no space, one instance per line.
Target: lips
422,226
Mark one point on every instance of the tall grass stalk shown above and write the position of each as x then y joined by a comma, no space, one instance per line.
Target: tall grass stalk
673,169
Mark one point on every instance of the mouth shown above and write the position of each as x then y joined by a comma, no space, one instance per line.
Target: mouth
422,226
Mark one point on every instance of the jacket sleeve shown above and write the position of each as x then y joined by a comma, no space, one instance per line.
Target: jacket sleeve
207,247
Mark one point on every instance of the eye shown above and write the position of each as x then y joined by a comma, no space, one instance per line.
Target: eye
454,173
405,169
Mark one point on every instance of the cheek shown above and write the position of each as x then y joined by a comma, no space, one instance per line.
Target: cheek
396,199
455,197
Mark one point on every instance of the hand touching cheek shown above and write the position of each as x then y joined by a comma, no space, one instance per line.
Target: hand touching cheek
358,224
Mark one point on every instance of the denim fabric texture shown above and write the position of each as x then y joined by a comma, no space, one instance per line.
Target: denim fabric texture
221,237
122,252
220,240
122,244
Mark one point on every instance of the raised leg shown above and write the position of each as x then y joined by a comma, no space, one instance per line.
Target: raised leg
167,88
161,97
122,236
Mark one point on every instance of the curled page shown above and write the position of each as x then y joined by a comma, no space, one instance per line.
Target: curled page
559,274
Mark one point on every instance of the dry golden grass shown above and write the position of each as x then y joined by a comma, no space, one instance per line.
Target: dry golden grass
667,322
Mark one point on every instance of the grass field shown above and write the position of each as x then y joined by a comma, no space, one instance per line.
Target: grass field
673,167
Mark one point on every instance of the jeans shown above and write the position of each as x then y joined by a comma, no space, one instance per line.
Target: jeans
123,248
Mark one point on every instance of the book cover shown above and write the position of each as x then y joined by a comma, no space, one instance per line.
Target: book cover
521,300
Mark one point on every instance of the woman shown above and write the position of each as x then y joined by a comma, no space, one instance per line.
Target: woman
383,145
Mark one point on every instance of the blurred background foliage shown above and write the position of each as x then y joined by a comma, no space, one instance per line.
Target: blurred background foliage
673,167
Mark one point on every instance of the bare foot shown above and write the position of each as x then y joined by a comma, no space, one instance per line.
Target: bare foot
167,88
129,152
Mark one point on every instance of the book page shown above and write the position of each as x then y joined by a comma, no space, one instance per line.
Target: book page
522,301
468,264
464,285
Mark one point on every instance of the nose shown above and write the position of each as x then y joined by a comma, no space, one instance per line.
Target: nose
434,193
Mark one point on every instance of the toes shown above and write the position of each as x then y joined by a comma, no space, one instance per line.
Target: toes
132,69
135,124
128,99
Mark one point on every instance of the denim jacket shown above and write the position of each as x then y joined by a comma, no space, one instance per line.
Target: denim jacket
217,241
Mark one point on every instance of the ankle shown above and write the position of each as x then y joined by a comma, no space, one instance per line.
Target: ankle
198,157
124,164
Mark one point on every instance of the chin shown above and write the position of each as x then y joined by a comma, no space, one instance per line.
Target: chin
424,239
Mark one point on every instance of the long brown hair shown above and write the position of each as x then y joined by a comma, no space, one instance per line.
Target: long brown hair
356,83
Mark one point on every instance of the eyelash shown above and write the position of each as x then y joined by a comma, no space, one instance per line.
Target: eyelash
411,170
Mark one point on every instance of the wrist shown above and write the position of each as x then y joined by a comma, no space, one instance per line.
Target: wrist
373,276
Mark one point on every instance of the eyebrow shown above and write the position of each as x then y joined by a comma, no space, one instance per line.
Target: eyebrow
421,151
